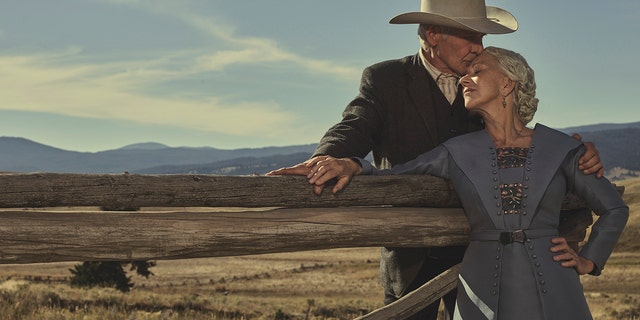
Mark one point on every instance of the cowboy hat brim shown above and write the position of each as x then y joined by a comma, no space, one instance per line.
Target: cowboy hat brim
498,21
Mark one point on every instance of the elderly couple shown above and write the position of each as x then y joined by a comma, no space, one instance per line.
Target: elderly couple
458,111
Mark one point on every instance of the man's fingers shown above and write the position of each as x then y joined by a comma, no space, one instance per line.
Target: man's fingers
598,168
342,182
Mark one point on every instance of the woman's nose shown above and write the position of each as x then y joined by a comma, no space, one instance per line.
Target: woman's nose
465,80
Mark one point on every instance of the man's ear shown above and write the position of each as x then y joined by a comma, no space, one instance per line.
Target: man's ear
432,36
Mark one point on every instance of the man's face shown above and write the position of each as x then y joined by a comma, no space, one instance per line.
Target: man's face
456,49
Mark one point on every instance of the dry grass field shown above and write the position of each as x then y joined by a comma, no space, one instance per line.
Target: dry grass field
328,284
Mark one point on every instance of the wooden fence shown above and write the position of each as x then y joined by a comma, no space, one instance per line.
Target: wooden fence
236,216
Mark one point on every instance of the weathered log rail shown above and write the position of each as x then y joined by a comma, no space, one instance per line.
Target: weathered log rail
47,217
39,190
237,216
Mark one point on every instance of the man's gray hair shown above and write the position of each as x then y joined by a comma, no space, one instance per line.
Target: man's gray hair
423,27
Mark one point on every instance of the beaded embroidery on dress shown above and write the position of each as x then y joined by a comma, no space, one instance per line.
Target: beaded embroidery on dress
511,193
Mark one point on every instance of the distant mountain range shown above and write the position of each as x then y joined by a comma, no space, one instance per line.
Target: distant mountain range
618,145
22,155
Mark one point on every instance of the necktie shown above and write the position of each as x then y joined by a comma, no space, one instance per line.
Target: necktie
448,83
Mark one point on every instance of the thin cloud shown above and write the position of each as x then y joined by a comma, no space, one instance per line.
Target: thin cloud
38,83
248,50
72,82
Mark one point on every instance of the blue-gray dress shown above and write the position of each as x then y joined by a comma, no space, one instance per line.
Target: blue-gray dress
512,199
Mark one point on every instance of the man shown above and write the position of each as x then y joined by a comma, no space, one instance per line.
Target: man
408,106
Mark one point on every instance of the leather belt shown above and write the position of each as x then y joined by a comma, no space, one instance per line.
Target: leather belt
506,237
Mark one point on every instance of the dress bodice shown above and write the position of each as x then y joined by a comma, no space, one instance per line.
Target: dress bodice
511,165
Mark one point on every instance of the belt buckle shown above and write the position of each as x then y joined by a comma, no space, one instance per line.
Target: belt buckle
515,236
519,236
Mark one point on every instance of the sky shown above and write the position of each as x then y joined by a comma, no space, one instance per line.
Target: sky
94,75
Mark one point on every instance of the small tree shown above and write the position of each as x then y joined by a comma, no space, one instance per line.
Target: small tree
108,274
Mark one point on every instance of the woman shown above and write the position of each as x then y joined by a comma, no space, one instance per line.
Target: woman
511,180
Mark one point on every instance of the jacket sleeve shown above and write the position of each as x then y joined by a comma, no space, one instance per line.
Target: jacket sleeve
362,121
435,162
601,197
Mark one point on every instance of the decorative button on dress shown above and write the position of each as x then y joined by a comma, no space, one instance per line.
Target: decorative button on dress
512,199
511,162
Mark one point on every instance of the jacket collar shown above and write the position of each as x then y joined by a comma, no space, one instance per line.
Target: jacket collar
421,88
475,155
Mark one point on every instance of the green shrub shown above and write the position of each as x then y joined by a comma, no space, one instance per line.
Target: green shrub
108,274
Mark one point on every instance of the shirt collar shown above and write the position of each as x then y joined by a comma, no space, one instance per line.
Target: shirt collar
433,71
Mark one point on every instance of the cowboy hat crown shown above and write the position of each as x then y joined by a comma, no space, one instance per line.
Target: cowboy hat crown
471,15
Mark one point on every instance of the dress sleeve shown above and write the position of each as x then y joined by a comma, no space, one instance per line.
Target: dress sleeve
601,197
434,162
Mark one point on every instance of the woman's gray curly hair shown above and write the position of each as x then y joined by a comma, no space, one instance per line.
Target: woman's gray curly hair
518,70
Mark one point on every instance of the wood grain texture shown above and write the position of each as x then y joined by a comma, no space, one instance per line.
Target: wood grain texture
38,190
47,236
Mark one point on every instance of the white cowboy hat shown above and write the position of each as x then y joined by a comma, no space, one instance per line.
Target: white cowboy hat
471,15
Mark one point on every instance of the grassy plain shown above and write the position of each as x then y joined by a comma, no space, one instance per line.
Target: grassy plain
327,284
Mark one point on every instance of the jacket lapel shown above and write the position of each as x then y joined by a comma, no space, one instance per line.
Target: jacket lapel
475,156
421,90
548,150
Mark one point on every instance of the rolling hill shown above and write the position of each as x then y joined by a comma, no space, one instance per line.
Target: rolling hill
618,145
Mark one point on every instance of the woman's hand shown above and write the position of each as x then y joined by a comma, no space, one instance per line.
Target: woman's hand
300,169
569,258
321,169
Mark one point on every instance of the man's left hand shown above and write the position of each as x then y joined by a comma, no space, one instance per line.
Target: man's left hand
590,162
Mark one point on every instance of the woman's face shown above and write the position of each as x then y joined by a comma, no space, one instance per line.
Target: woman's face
484,84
